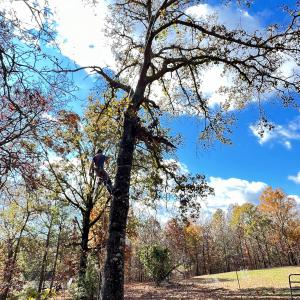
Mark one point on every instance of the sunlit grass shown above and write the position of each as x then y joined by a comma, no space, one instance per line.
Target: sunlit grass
268,281
254,284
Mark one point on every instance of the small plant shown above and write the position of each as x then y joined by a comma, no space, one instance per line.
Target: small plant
157,262
46,294
89,287
30,293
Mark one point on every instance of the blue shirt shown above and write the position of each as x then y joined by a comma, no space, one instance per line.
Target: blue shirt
99,160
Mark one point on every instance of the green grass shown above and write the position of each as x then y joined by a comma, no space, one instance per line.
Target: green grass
264,282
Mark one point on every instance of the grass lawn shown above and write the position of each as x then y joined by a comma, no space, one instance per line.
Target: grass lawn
269,278
254,284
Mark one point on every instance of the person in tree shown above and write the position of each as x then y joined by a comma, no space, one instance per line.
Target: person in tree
98,166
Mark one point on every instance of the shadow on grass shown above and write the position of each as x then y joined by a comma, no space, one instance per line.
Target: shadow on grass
193,291
210,280
256,293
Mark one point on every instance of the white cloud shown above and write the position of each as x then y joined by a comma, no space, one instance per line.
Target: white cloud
81,31
288,145
296,178
180,167
262,137
231,17
80,28
289,68
227,192
282,134
233,191
18,9
213,79
49,117
201,11
296,197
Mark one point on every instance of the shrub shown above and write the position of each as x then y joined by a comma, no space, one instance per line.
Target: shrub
157,262
89,287
30,293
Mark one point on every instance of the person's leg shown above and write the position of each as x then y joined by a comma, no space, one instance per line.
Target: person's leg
98,173
107,182
98,180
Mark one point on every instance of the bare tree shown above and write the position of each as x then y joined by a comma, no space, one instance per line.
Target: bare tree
28,91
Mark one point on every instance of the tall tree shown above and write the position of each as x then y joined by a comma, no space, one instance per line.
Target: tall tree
219,227
168,47
73,142
281,209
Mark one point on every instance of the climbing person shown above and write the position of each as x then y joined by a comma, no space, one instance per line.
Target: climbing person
97,165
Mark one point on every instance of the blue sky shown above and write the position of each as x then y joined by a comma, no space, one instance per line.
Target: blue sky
271,162
238,172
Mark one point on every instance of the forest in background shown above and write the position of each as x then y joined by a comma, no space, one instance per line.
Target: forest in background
54,224
44,245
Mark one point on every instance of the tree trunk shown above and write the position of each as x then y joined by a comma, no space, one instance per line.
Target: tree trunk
8,272
290,254
85,230
260,251
254,256
283,250
56,257
114,265
225,255
44,261
279,255
249,255
209,271
8,276
113,285
227,268
203,257
242,252
197,271
267,249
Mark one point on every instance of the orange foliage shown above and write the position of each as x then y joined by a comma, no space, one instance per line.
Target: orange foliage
276,201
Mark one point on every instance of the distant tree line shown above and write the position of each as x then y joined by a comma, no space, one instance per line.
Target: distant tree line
247,236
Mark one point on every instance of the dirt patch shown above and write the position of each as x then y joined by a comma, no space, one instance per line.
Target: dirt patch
192,291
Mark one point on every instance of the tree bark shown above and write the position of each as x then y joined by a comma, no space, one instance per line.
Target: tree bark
260,250
209,271
56,257
113,285
279,255
8,272
225,255
249,255
254,256
241,251
44,260
12,258
203,257
267,249
84,244
114,265
197,265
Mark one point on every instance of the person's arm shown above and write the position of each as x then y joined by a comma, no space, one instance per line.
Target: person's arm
91,171
107,158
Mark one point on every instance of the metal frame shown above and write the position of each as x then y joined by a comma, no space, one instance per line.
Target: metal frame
297,288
